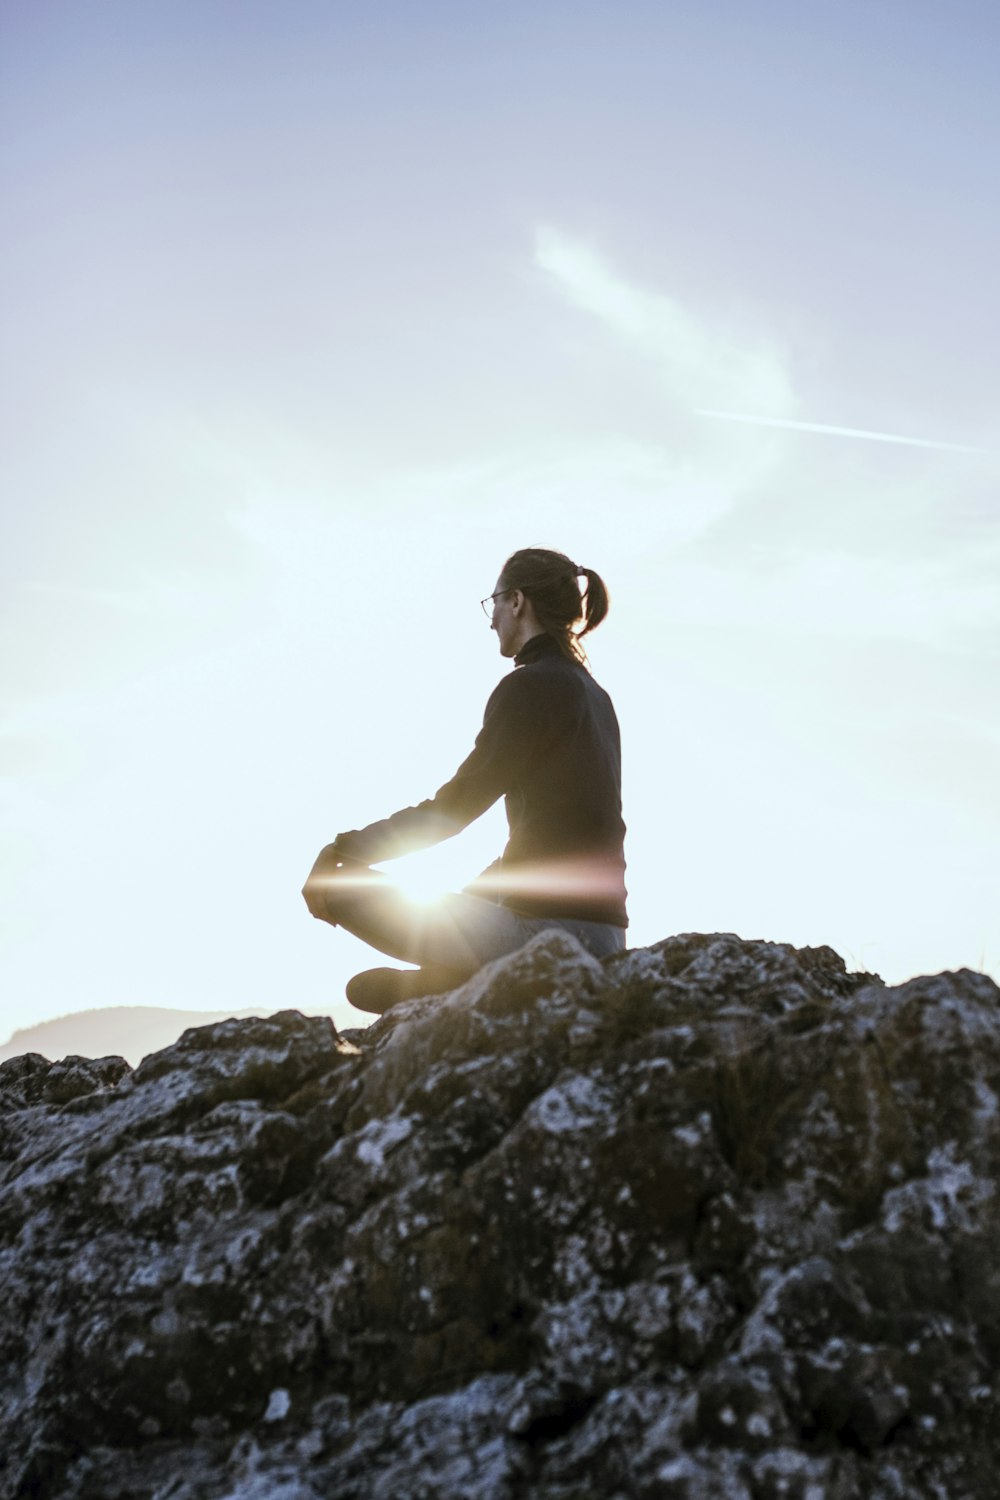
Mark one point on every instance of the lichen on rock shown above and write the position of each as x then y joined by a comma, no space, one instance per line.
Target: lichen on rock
712,1218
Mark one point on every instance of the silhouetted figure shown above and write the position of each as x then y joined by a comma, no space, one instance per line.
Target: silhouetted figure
550,746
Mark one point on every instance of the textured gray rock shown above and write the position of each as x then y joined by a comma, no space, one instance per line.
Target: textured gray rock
709,1219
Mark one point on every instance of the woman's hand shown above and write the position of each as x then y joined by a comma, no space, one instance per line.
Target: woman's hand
328,861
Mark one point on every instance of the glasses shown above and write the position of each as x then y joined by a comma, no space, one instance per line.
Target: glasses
488,602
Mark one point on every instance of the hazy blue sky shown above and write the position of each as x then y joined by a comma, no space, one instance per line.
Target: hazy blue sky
312,313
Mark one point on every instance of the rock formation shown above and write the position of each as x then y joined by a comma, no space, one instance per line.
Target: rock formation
133,1030
713,1220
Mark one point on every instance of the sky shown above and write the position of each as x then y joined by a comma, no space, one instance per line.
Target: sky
313,313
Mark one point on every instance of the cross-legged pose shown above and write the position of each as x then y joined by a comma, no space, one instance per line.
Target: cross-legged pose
550,746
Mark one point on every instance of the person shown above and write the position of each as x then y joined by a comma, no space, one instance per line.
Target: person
551,746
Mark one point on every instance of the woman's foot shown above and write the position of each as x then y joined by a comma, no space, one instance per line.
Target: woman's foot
376,990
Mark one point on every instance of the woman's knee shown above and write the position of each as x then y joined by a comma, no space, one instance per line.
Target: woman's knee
333,884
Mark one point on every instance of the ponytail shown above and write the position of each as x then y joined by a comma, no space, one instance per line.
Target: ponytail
595,600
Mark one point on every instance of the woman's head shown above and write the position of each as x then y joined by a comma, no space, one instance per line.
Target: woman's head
550,582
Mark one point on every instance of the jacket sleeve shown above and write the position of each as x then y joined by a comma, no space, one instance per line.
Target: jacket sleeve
513,726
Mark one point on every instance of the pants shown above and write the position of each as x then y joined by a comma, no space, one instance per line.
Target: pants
456,935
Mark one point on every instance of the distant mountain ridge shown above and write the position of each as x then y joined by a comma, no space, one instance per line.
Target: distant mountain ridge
129,1031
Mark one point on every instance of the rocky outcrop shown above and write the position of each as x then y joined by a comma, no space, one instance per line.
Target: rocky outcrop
132,1030
710,1219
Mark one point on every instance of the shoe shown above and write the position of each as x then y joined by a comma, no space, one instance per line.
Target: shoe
377,990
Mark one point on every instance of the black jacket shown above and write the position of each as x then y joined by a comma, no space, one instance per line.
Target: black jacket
551,747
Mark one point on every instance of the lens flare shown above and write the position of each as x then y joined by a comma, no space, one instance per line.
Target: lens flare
419,888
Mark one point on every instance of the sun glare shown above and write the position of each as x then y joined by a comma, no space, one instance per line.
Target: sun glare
422,878
418,886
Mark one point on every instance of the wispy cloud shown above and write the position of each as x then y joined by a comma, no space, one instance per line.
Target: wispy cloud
698,364
843,542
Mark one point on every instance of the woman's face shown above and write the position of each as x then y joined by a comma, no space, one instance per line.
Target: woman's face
504,621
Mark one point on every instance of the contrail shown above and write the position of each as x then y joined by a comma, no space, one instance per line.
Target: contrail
858,432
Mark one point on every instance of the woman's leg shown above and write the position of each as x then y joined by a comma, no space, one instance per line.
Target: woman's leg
449,940
457,933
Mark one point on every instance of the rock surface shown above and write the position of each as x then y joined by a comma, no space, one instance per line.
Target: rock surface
132,1030
709,1219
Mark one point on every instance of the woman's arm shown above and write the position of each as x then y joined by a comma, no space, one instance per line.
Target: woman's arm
513,727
